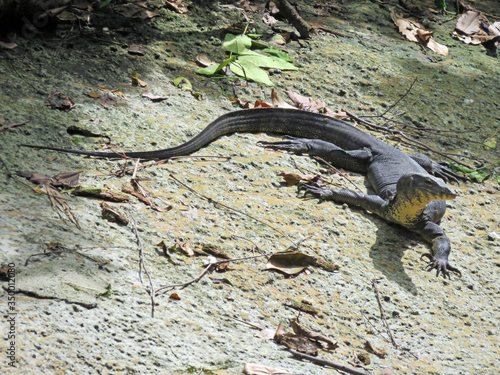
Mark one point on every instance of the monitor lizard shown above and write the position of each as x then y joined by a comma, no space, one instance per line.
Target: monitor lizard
409,190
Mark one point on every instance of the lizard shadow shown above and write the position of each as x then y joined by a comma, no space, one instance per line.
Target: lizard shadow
388,251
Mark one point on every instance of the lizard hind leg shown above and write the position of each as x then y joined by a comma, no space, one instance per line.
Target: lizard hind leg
353,160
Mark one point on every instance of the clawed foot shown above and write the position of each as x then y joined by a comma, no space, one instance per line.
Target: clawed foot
315,190
440,265
446,174
295,145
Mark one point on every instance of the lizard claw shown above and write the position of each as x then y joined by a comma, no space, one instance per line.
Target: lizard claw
294,145
440,265
314,189
446,174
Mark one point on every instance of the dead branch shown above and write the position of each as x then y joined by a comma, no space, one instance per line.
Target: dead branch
382,313
211,266
295,19
405,138
221,205
142,266
324,362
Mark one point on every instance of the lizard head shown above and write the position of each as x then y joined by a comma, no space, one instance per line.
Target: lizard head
424,187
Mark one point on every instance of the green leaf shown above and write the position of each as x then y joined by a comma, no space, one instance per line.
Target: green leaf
214,68
479,175
183,83
236,44
278,53
266,61
490,143
250,71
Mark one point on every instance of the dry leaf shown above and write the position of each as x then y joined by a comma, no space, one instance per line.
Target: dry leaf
177,5
136,9
112,214
107,101
289,262
5,45
154,98
137,81
378,352
266,333
306,332
204,60
255,369
415,32
136,50
60,101
174,296
65,179
306,103
293,178
387,371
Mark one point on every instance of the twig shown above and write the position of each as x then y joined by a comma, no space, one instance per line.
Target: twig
142,266
3,128
401,98
206,270
218,204
336,170
324,362
9,173
403,135
60,250
374,283
254,245
294,18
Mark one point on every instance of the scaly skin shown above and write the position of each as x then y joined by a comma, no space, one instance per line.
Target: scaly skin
392,174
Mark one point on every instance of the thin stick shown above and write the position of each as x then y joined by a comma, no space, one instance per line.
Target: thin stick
218,204
401,98
142,266
336,170
403,135
374,283
3,128
324,362
206,270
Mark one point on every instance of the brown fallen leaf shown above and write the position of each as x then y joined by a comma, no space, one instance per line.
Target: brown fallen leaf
306,332
204,60
473,28
174,296
378,352
60,101
136,81
136,50
137,9
107,101
415,32
303,306
289,262
112,214
154,98
293,178
65,179
176,5
295,342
